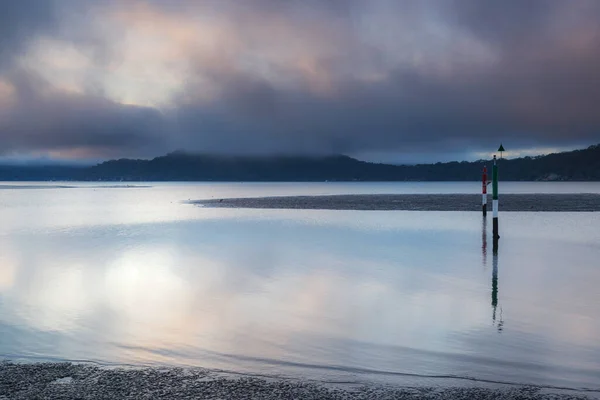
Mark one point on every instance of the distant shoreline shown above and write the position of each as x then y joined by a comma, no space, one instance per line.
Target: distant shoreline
577,166
588,202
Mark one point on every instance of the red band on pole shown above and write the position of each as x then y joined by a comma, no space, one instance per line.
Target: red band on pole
484,180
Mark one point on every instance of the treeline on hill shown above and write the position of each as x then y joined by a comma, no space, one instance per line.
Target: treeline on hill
579,165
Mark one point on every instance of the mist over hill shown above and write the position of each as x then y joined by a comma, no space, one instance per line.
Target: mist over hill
578,165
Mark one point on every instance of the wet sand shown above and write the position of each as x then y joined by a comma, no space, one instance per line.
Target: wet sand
77,381
416,202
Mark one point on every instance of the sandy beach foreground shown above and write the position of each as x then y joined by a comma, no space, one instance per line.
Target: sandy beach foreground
416,202
78,381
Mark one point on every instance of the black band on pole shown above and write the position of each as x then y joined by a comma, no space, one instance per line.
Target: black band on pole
495,229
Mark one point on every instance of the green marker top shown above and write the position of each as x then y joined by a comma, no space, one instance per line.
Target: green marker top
495,180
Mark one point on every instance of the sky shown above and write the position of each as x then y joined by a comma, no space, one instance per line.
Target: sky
381,80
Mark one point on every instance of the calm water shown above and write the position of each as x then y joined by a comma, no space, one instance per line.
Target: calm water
134,276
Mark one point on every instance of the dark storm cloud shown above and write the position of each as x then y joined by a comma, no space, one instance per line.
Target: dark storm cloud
505,22
539,88
351,76
42,118
20,20
39,117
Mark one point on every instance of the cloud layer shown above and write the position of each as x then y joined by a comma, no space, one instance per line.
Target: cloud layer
402,80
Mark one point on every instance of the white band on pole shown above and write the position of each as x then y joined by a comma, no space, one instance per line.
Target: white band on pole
495,208
483,199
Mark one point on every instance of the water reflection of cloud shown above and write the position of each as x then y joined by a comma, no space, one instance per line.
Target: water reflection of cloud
8,266
159,293
143,288
55,298
152,292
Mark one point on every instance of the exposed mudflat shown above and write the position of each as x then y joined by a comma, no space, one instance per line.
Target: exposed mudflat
76,381
416,202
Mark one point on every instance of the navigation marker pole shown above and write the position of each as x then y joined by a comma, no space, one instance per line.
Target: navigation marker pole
496,236
484,191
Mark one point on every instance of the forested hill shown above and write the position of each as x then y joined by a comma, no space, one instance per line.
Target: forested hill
579,165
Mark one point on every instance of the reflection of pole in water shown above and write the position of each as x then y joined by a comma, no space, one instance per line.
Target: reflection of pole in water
484,241
495,286
500,323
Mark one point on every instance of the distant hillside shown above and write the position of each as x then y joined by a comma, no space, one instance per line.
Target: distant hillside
579,165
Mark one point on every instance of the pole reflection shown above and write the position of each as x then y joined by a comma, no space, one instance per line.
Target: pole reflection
484,242
497,320
499,323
